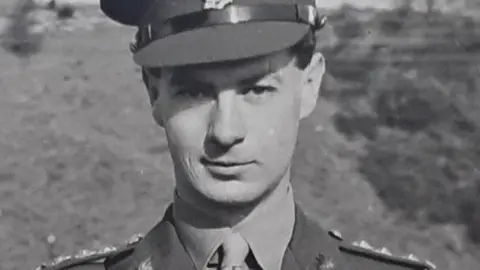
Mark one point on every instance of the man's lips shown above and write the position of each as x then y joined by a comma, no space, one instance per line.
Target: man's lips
224,163
226,167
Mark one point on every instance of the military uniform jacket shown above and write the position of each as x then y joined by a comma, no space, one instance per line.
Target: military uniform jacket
311,248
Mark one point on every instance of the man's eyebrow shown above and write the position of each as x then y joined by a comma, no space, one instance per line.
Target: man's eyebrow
254,79
275,76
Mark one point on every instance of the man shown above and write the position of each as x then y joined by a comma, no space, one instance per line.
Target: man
229,82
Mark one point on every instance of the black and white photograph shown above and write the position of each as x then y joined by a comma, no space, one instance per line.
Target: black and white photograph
239,134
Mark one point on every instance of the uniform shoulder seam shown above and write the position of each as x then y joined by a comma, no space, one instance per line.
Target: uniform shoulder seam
363,249
88,257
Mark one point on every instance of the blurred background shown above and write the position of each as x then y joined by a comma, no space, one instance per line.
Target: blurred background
391,154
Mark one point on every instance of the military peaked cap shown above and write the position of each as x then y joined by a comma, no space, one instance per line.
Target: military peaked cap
182,32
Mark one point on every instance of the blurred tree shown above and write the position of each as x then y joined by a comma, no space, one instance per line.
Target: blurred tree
66,11
19,39
350,25
430,6
417,106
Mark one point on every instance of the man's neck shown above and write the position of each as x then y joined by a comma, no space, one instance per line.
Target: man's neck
267,226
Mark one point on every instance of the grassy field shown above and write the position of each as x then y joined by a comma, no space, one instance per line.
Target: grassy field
390,155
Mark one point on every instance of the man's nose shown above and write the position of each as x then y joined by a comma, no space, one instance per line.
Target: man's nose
226,126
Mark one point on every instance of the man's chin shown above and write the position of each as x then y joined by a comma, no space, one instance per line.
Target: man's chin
237,199
238,194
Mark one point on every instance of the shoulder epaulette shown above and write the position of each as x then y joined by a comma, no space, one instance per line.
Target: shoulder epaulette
364,250
97,256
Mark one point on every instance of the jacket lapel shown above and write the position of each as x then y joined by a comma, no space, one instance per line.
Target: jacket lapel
159,250
311,248
289,261
167,251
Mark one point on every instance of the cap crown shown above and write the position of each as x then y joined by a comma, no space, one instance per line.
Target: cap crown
137,12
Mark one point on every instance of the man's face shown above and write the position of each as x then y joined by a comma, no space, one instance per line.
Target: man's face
232,128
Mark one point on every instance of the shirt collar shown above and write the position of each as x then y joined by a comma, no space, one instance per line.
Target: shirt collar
266,229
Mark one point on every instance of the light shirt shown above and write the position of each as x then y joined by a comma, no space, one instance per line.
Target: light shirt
267,229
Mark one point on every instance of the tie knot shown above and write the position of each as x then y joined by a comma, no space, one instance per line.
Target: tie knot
235,251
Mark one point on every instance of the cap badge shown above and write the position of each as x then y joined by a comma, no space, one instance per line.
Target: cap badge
216,4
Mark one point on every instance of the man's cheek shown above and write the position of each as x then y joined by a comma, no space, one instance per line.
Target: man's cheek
187,136
275,138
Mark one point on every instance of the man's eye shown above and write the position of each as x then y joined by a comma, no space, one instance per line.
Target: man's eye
193,92
258,90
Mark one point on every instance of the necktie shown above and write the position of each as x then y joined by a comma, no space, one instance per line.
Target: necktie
235,251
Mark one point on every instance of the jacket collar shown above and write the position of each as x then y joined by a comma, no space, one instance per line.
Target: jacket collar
160,249
310,248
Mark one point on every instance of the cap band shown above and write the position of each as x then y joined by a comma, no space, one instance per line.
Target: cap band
232,14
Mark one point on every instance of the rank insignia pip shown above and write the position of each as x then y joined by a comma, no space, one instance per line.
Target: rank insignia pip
146,265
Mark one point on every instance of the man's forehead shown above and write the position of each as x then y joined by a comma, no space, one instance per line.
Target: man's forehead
272,67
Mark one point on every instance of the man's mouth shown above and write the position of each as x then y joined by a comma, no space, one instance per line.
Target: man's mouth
225,167
224,163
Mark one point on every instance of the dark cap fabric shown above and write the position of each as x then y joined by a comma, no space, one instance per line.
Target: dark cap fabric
127,12
183,32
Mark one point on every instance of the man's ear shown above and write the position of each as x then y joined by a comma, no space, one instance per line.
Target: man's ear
312,80
149,82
